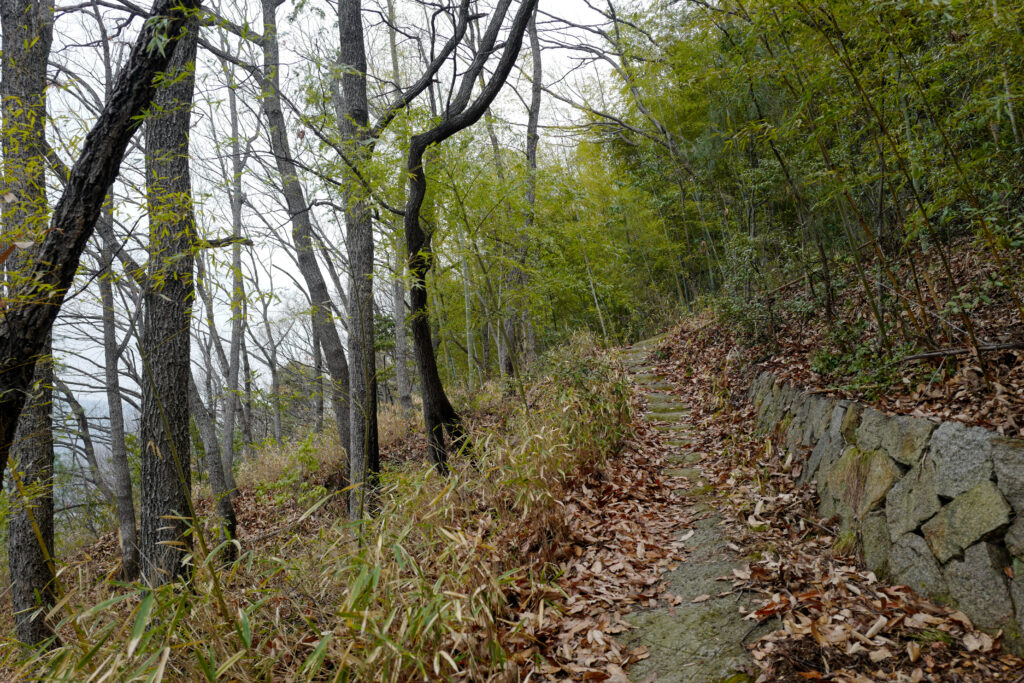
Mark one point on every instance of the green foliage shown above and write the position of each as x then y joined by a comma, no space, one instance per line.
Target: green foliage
776,136
851,358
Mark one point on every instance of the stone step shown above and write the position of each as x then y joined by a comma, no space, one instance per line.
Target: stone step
665,416
657,385
678,412
650,342
688,458
666,402
702,641
674,428
664,407
656,395
691,473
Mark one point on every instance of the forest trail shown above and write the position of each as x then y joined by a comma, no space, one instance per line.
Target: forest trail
700,639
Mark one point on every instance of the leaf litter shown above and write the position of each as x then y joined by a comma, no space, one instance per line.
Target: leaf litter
623,526
833,619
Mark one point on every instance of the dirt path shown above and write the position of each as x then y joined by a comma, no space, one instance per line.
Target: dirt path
699,640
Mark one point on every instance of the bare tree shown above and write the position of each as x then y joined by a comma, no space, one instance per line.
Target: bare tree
233,403
38,295
532,142
404,386
302,228
439,415
112,351
353,122
218,483
85,434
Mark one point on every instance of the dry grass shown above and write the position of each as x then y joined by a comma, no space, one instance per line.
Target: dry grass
395,425
297,457
433,590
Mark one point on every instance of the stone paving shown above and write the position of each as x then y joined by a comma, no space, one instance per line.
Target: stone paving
693,642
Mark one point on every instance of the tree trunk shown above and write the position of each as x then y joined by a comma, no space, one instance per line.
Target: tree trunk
485,352
247,387
232,401
27,37
532,142
165,337
439,416
318,382
85,433
270,358
214,348
398,285
401,344
467,302
364,454
30,528
127,531
302,229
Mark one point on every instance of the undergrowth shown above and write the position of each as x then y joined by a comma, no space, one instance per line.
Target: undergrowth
432,589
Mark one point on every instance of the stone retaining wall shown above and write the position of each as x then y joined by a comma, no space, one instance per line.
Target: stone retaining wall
936,506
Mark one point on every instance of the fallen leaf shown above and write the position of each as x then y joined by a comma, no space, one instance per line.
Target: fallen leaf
879,655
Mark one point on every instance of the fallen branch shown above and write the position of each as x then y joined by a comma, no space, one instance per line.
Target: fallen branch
982,348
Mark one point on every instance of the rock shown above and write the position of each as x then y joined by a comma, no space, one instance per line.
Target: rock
1008,460
978,586
911,562
791,441
784,398
760,387
1014,539
973,516
906,438
828,449
1016,644
962,456
861,480
851,420
902,438
760,396
776,402
795,429
818,414
875,545
829,506
912,500
872,430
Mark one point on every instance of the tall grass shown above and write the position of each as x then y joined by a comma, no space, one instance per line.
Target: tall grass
441,586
